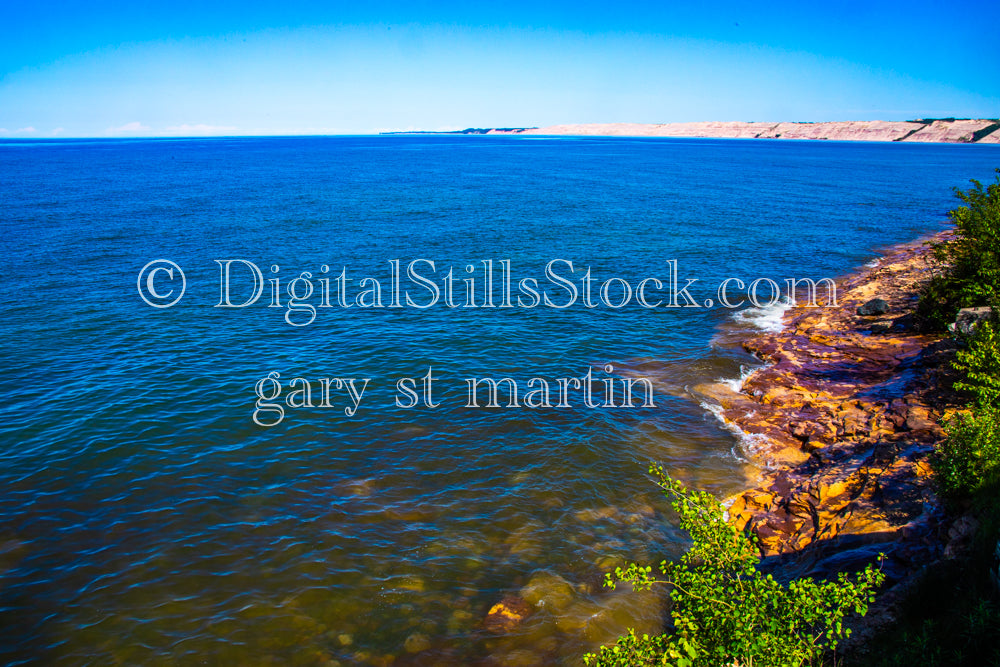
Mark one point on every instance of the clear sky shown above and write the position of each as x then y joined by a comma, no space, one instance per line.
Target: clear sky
96,68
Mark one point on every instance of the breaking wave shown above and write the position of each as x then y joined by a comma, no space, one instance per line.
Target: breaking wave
768,318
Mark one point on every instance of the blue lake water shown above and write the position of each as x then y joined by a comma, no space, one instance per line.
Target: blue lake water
145,518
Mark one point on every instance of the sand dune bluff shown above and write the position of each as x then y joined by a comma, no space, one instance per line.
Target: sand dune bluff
939,130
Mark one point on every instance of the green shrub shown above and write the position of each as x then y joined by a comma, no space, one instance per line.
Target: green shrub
971,276
724,610
980,365
969,457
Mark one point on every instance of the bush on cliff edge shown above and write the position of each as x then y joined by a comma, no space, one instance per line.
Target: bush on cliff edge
969,457
979,364
725,611
971,273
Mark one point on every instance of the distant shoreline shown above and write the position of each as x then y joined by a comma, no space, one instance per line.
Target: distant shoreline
926,130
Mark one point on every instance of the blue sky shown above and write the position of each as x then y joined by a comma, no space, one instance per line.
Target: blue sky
159,69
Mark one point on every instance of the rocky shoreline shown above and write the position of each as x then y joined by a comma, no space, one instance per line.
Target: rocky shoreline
848,411
843,418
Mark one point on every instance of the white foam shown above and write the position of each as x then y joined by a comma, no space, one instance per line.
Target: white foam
770,318
736,383
872,264
750,443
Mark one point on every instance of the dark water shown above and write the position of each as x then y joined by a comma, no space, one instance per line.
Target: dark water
146,519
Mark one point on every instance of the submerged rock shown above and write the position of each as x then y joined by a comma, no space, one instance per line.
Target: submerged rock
602,622
520,658
506,615
526,541
417,642
546,590
459,621
12,551
412,583
590,515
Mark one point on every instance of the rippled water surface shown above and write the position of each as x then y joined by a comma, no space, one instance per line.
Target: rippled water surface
146,519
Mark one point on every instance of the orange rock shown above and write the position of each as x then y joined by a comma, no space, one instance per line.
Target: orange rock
506,615
836,490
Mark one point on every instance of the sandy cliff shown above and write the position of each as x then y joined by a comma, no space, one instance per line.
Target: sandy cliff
946,130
